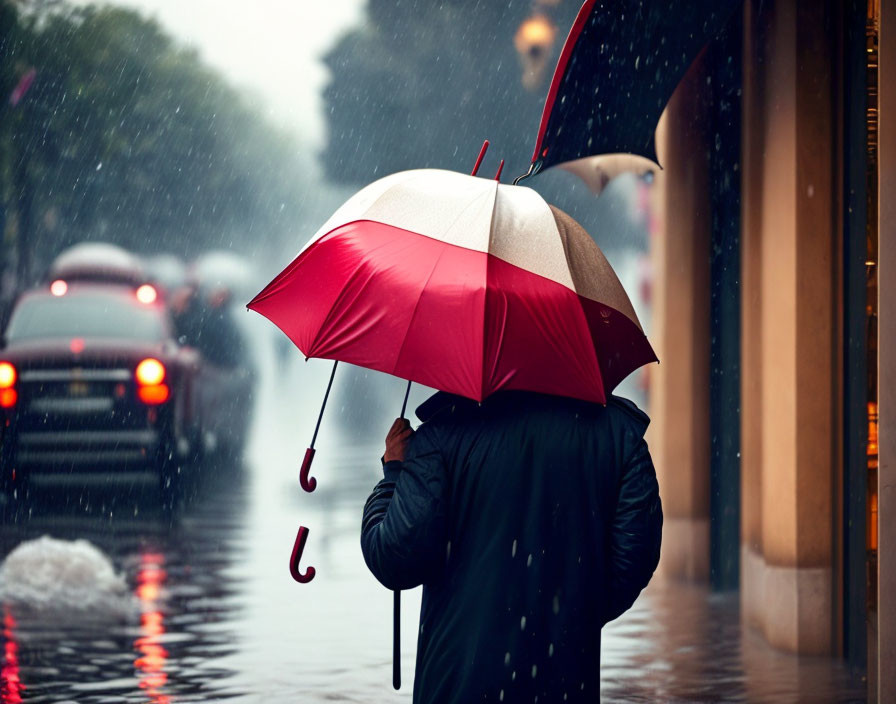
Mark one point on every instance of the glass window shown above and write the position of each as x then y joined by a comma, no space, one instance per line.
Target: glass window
86,315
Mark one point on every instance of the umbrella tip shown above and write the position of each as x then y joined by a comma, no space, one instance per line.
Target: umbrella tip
500,169
482,152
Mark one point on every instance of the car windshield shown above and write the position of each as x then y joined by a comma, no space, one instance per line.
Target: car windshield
85,315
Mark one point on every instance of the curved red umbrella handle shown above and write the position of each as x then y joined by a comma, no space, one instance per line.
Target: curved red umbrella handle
297,549
308,483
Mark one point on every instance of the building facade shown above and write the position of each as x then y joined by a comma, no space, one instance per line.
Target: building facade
774,282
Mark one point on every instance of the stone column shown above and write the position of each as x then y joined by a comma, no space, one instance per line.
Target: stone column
753,150
789,317
680,383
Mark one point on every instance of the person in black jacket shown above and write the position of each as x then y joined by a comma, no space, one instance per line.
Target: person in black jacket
531,521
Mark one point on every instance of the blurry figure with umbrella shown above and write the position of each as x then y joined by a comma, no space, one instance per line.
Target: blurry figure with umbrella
166,270
462,284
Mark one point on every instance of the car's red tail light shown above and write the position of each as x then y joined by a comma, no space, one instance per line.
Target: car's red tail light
153,395
8,394
7,375
150,374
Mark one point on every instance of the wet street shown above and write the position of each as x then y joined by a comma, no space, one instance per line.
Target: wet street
210,612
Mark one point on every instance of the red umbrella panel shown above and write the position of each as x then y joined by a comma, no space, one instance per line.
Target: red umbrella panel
462,284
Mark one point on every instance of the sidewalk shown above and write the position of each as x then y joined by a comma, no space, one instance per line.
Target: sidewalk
683,643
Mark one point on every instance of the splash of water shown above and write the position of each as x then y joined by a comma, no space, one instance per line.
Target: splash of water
70,576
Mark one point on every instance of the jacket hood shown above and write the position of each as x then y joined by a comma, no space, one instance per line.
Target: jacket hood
443,402
440,402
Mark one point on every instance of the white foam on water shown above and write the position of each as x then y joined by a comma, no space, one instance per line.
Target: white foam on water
71,576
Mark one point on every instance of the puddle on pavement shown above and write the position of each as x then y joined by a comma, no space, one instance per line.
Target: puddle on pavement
215,617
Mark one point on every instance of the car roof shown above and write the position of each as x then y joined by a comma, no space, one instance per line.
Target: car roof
97,261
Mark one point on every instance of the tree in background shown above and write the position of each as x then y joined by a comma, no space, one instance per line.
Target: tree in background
126,137
422,84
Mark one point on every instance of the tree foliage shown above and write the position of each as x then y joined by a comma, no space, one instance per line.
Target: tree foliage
422,84
125,136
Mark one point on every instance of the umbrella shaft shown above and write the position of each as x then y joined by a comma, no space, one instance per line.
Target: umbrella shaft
396,640
323,405
404,405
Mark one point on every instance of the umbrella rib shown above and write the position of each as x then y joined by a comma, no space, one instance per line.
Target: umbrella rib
357,272
328,318
565,237
488,255
414,312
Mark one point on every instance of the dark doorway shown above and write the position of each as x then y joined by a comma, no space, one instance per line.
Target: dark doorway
859,257
725,66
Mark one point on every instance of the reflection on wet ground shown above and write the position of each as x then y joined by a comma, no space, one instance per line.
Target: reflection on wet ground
163,642
213,614
216,617
681,643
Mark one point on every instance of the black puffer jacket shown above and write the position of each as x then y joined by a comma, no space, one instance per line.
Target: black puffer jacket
530,521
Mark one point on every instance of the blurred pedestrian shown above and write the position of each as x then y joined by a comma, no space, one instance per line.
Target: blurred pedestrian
531,521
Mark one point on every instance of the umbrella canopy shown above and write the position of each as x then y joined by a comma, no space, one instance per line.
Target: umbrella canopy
462,284
616,72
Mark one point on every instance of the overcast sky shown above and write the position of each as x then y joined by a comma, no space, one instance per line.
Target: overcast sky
270,47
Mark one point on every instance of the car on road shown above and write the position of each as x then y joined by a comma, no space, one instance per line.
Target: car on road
94,387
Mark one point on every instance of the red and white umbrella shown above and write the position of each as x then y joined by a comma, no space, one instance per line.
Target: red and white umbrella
462,284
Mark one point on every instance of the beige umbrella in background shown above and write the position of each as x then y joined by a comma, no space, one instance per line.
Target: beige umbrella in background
598,171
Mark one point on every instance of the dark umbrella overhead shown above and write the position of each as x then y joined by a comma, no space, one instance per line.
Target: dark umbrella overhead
616,72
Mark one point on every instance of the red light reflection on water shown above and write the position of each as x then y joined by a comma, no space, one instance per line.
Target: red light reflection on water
11,686
152,656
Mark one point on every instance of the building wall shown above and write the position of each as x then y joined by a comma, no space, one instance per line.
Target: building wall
791,334
789,324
